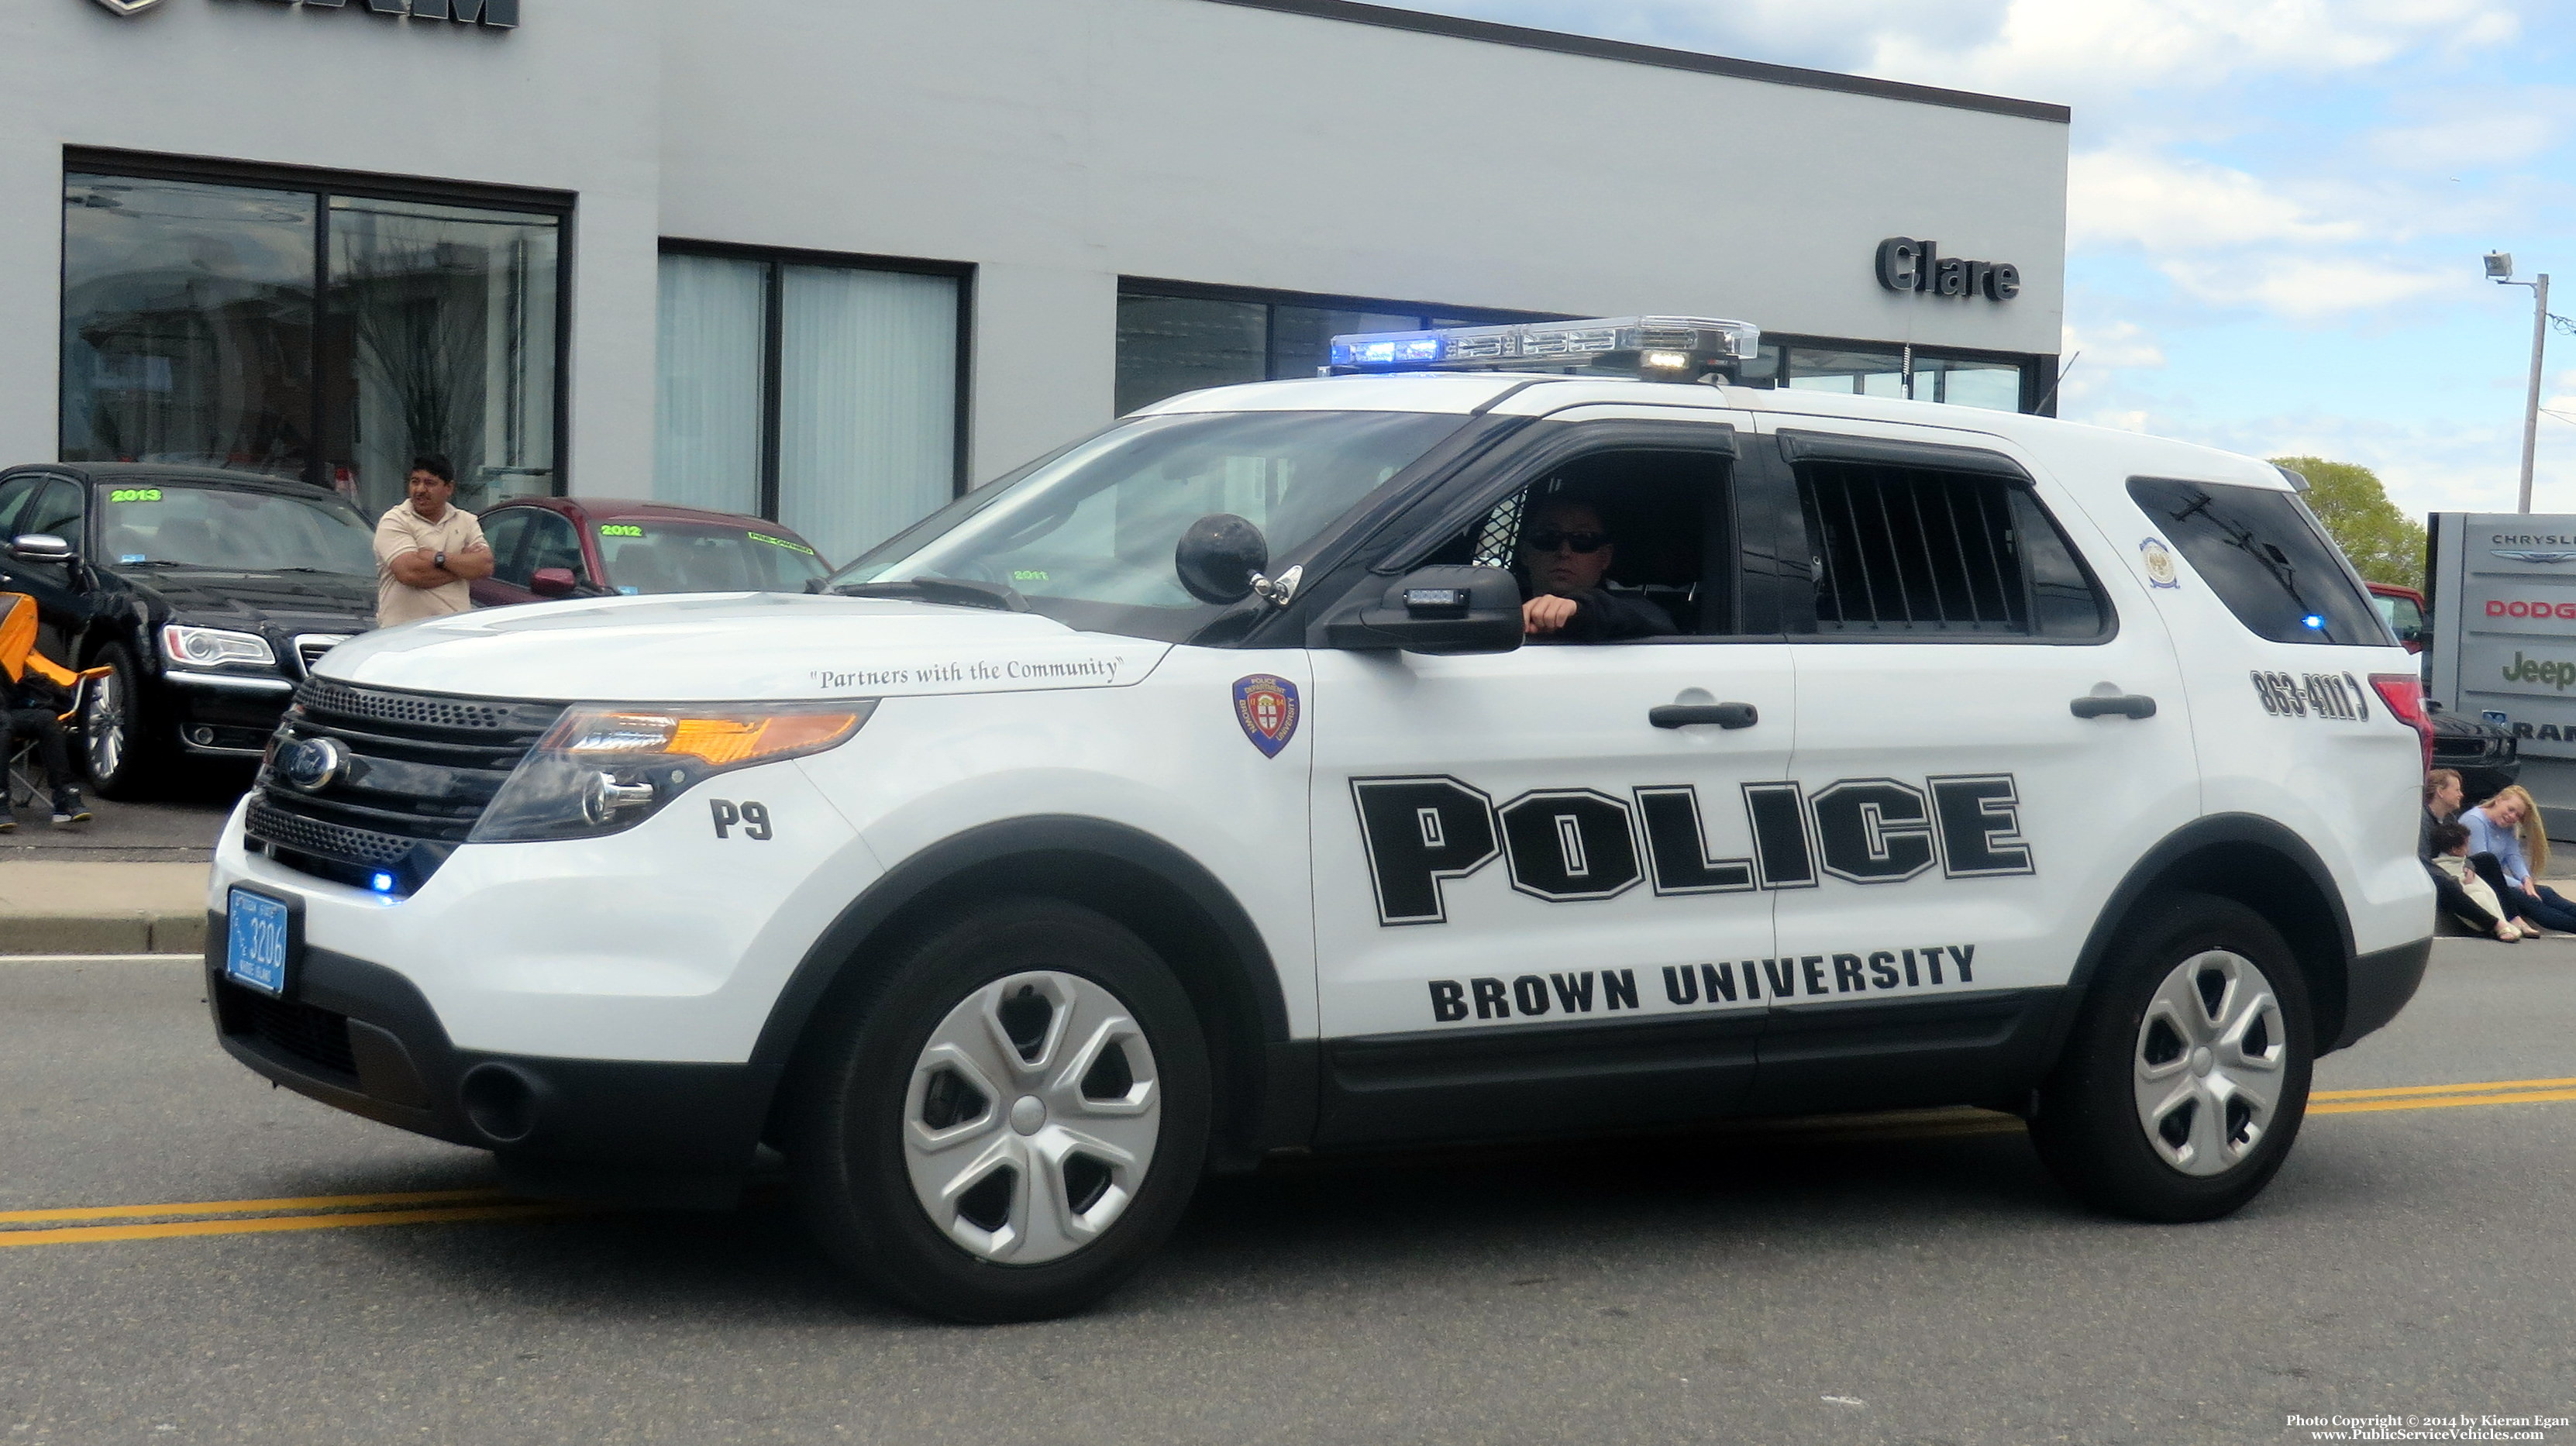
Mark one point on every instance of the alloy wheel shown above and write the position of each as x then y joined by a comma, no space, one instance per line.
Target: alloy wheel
103,729
1031,1117
2210,1062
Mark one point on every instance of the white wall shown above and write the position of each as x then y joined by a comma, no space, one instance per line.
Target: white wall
1060,145
568,101
1054,145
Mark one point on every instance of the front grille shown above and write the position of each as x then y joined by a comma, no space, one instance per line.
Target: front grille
2455,745
309,648
309,1033
420,770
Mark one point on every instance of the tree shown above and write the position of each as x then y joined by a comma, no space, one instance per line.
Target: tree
2385,545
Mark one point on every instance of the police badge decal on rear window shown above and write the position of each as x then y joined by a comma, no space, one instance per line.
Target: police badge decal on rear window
1266,706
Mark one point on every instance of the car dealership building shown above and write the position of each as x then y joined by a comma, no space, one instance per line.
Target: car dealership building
833,263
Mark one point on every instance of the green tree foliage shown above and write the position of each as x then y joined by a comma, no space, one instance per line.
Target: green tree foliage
2385,544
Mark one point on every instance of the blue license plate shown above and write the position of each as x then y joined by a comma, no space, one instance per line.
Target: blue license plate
259,942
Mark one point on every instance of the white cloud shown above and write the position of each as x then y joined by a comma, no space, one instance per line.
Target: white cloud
2122,345
2303,288
2125,195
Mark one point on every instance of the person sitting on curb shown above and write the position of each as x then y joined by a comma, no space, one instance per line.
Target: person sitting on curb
2510,847
34,689
2478,907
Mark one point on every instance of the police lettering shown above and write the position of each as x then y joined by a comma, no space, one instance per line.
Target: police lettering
1572,845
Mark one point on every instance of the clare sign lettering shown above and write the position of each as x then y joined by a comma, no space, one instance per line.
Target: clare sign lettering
1905,264
497,14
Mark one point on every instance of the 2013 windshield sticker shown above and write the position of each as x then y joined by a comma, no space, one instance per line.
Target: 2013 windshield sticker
1265,706
2330,696
1715,984
1570,845
2159,563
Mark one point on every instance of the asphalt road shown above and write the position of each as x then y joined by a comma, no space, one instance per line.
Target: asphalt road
178,824
1915,1283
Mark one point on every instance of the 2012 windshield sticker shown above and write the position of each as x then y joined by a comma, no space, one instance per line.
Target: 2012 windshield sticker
2330,696
1715,984
1098,672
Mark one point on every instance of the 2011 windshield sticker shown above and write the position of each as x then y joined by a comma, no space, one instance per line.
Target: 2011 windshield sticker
2334,697
1712,985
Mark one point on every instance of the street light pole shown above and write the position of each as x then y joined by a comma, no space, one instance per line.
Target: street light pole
2500,271
2531,409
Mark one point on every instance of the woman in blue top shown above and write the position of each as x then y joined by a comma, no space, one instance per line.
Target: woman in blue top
2499,830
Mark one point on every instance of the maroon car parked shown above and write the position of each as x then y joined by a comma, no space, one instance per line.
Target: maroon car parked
551,547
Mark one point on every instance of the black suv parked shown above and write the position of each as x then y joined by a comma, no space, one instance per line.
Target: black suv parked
209,592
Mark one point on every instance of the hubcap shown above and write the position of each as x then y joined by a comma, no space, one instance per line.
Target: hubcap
103,731
2210,1061
1049,1173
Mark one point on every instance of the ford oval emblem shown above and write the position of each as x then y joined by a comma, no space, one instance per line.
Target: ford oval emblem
310,765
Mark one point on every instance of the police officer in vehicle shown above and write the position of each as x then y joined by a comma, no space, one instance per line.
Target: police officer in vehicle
1565,554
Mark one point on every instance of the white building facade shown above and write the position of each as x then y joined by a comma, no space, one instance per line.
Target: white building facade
832,264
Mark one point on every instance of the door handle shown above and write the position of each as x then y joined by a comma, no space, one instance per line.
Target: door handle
1724,715
2125,705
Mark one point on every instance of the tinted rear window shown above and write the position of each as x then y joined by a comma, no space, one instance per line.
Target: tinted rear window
2265,556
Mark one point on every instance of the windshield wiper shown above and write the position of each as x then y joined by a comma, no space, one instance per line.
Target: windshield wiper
956,591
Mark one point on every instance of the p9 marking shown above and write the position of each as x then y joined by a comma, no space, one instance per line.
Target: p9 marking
753,817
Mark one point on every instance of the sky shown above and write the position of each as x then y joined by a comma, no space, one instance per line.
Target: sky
2276,209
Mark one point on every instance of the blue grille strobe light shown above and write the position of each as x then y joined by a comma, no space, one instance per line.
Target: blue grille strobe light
1662,348
383,883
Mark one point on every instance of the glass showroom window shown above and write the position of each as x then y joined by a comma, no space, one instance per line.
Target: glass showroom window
1169,344
1894,372
191,334
823,395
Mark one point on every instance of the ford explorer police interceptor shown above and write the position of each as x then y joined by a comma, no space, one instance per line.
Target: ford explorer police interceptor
1198,793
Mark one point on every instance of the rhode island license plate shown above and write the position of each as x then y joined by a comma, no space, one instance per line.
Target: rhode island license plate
259,942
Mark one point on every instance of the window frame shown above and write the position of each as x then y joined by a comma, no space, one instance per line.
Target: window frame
507,555
776,260
324,184
1798,581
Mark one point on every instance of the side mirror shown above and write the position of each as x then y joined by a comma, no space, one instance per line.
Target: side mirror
1434,610
1218,557
553,582
39,547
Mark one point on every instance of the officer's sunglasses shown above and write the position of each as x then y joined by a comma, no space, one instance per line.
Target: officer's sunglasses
1579,541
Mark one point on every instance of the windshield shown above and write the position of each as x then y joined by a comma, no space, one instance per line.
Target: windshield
652,557
243,531
1098,523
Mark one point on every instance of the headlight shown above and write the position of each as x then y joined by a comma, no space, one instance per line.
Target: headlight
605,767
214,647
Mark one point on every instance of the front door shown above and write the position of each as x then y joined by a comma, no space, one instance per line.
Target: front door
1529,894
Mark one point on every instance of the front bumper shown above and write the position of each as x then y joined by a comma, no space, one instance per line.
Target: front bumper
360,1037
223,715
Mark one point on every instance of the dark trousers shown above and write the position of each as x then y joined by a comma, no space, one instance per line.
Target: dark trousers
41,725
2549,911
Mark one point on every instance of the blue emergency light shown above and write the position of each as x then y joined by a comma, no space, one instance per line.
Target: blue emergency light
1662,348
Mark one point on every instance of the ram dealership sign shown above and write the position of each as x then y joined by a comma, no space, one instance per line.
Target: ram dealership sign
498,14
2503,630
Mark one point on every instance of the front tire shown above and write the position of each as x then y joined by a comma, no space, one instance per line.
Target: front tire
2187,1075
120,747
1009,1121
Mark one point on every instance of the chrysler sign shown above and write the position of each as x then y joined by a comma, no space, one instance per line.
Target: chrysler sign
499,14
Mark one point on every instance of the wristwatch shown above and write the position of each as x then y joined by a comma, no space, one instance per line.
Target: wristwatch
439,562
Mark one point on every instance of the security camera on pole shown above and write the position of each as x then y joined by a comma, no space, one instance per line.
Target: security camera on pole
2500,271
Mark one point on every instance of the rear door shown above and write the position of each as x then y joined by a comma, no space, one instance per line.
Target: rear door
1990,732
1536,909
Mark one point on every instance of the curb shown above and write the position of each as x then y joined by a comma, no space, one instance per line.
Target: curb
139,932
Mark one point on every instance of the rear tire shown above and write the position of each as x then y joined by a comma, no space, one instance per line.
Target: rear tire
121,747
1004,1122
2184,1083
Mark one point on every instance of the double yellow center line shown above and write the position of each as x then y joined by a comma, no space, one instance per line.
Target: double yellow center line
99,1224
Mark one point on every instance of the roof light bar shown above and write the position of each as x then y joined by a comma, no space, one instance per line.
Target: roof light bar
1678,348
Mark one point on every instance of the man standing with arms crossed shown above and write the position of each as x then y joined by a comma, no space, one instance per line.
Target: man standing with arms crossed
428,552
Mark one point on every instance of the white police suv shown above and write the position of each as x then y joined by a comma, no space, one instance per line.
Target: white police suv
1201,791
